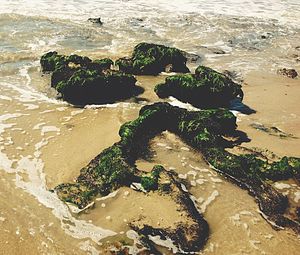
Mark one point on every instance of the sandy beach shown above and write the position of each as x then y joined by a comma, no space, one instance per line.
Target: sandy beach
45,142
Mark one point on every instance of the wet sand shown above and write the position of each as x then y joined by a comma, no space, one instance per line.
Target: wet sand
276,101
49,145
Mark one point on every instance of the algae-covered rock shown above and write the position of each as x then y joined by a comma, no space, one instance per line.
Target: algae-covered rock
291,73
206,88
114,167
82,81
151,59
187,235
105,173
204,130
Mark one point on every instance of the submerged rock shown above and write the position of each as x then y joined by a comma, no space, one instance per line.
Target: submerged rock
204,131
187,235
274,131
151,59
82,81
96,20
291,73
206,88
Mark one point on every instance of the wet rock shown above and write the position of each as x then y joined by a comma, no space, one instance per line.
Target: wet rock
114,167
274,131
234,75
187,235
291,73
206,88
82,81
254,174
204,131
218,51
96,21
191,57
151,59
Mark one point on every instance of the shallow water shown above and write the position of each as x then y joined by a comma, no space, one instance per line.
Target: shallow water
44,141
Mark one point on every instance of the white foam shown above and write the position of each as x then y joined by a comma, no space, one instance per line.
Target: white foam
31,106
47,129
110,195
114,105
281,185
297,196
89,248
5,98
209,200
39,125
193,173
168,243
74,113
216,180
187,106
286,12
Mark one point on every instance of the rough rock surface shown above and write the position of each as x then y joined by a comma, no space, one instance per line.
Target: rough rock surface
291,73
151,59
206,88
203,130
82,81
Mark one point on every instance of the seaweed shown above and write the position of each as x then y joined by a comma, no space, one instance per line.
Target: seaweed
204,130
206,88
151,59
82,81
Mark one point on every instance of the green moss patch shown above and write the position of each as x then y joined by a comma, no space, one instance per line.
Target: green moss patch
206,88
82,81
151,59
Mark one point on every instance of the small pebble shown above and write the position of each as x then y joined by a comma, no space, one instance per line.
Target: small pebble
103,205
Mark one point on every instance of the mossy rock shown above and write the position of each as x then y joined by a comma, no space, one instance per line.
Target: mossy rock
204,130
82,81
151,59
206,88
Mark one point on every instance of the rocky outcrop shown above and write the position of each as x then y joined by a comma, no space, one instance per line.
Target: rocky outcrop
206,88
82,81
151,59
291,73
203,130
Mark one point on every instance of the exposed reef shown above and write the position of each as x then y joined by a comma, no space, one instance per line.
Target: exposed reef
151,59
206,88
271,130
203,130
290,73
82,81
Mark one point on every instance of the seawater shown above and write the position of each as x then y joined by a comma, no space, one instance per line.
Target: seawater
44,141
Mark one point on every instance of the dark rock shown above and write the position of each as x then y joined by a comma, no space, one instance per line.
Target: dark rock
272,130
218,51
189,234
205,89
204,131
82,81
191,57
151,59
96,21
291,73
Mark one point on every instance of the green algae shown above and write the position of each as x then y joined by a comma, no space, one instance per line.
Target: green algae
151,59
204,130
82,81
206,88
